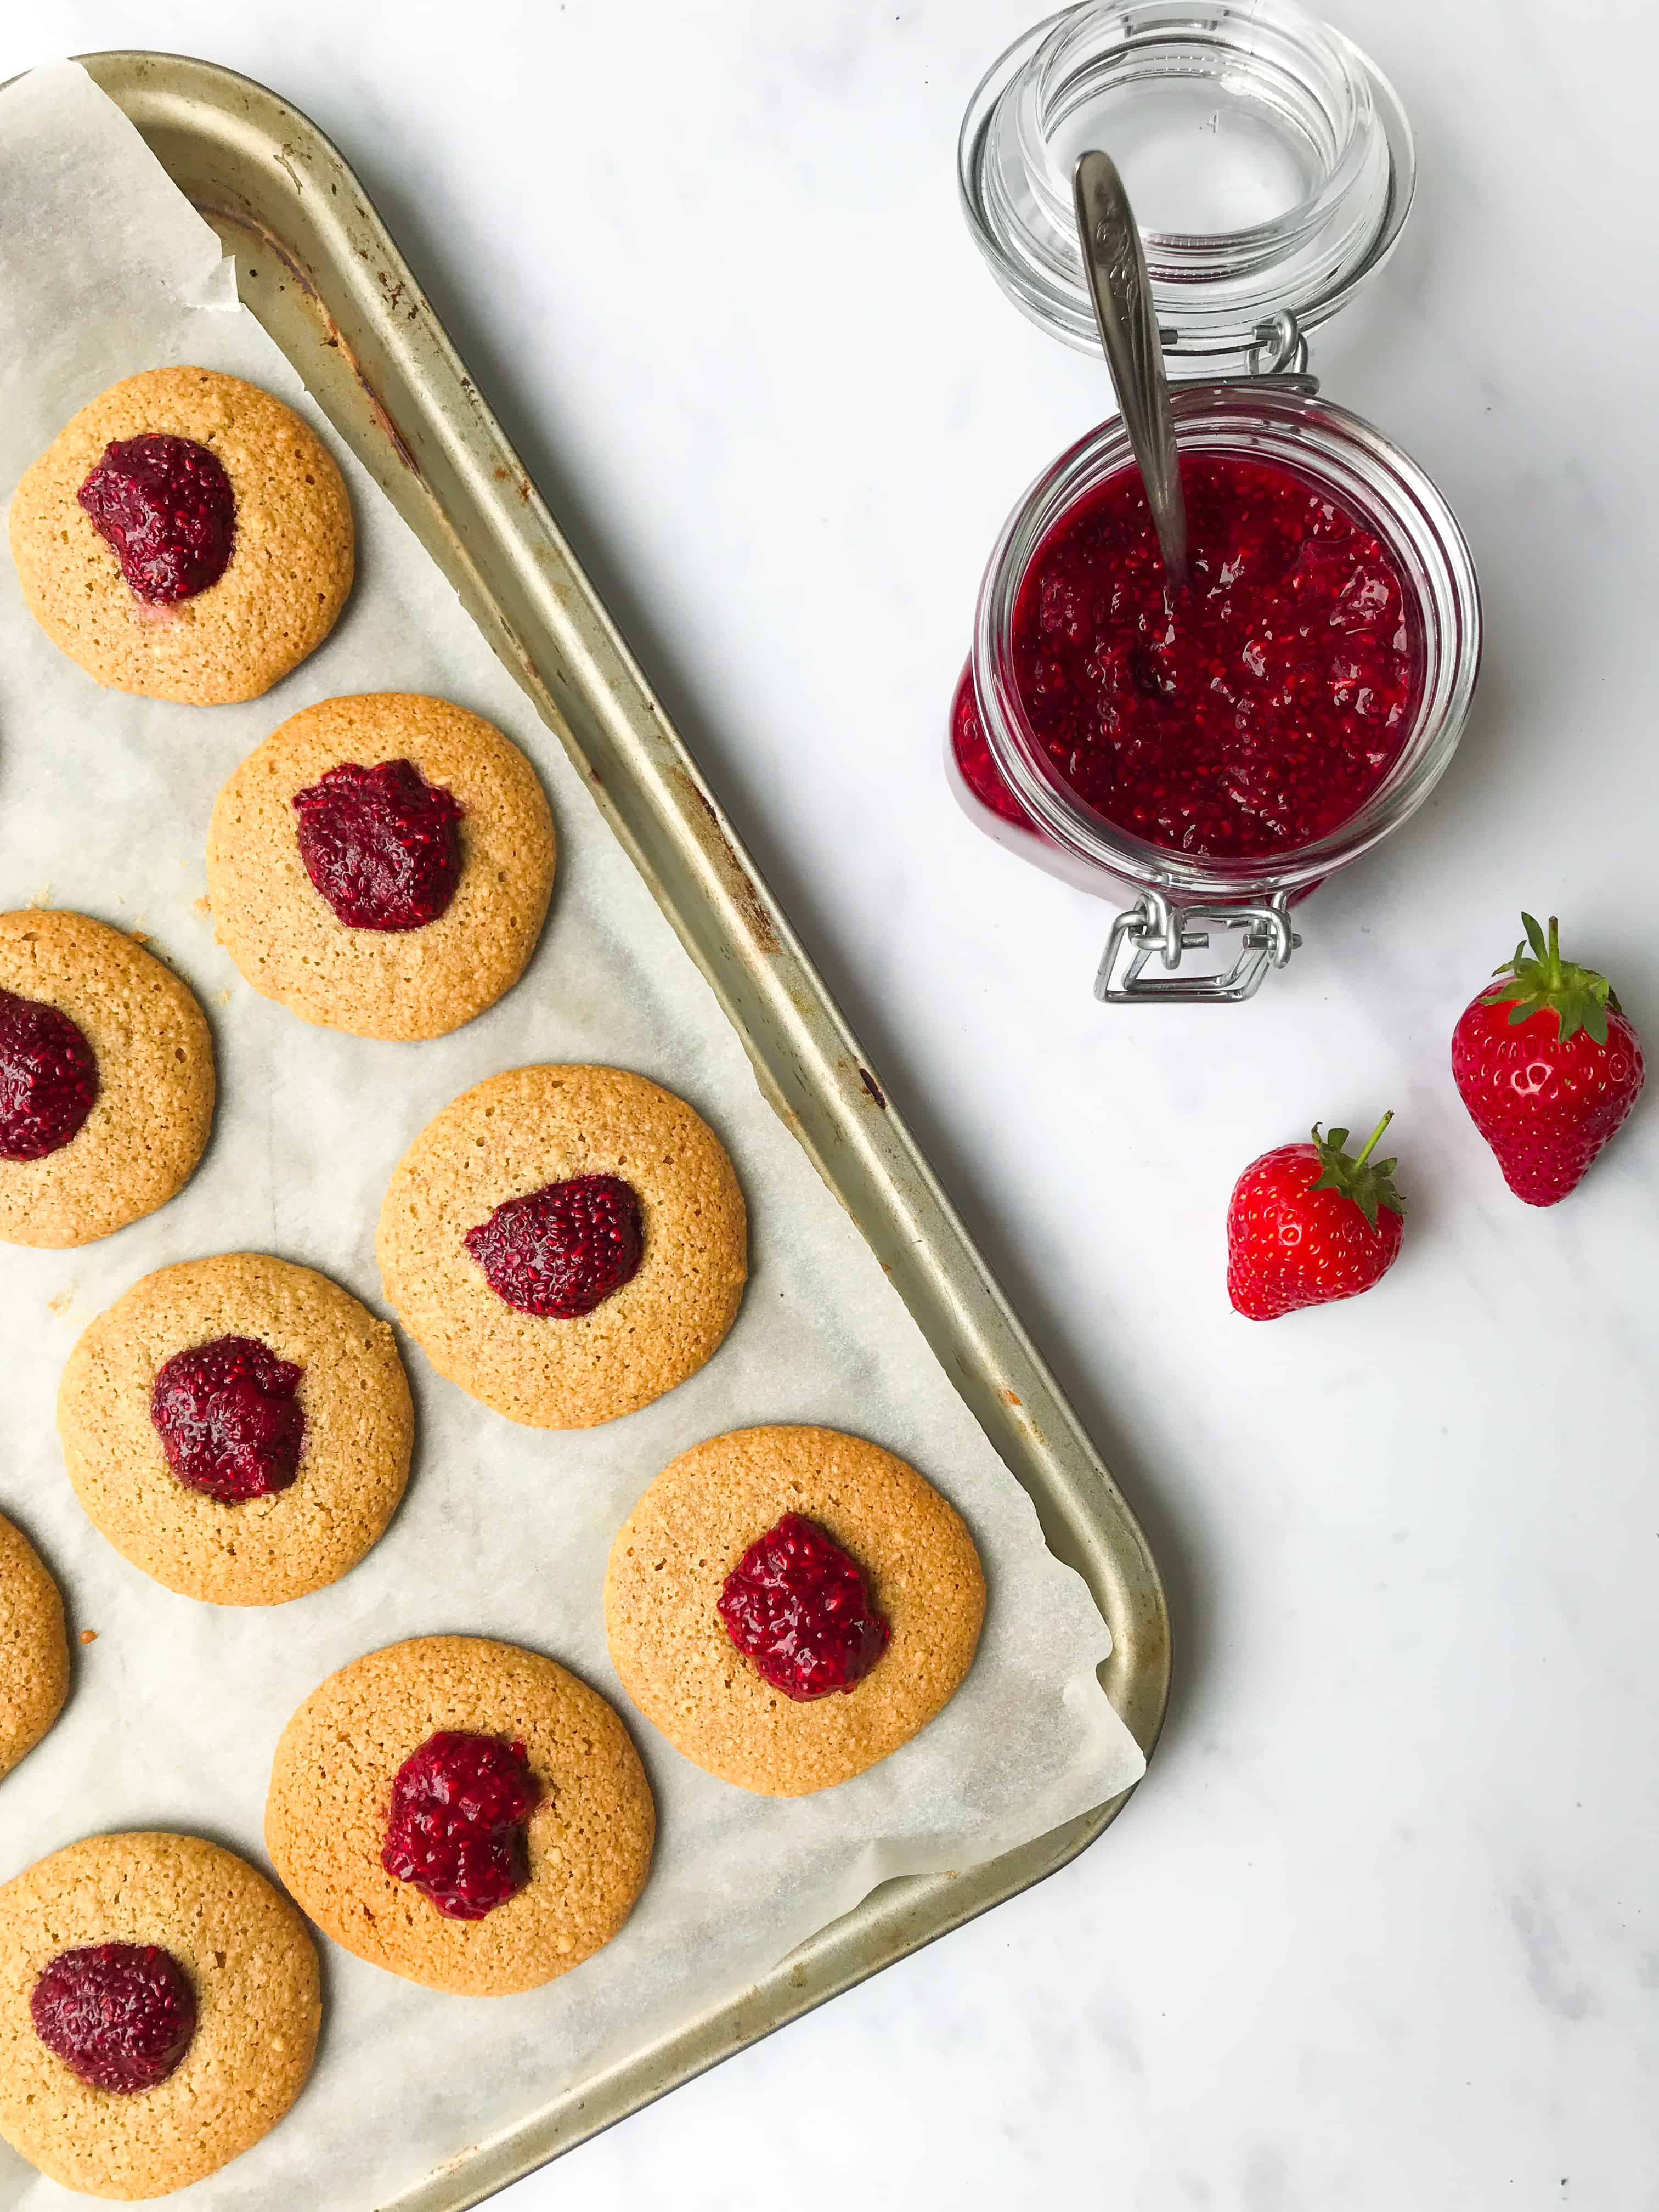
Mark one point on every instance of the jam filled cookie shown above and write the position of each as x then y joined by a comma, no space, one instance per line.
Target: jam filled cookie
238,1427
382,865
33,1651
462,1813
566,1243
185,537
790,1605
159,2008
107,1082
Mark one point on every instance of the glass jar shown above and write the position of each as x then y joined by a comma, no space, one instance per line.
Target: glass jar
1013,790
1289,107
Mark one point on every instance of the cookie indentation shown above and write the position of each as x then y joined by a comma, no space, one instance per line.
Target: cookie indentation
121,2016
381,844
164,507
561,1250
230,1418
796,1604
48,1078
458,1806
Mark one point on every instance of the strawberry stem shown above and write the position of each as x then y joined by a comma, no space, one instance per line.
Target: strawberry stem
1370,1141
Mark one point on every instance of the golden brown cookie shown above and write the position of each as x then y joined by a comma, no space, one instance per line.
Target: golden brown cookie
34,1649
149,1044
250,1964
586,1846
668,1644
354,1433
291,557
287,937
525,1132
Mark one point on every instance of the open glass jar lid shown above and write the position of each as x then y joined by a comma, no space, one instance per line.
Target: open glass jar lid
1212,748
1269,162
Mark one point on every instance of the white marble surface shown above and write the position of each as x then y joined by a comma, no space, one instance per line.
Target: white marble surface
1380,1930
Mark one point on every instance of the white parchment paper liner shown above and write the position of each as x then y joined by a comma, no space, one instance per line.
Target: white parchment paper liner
106,270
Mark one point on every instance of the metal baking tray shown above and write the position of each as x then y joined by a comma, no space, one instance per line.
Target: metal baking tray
315,265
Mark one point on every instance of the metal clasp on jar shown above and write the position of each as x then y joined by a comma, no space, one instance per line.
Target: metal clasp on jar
1279,359
1154,928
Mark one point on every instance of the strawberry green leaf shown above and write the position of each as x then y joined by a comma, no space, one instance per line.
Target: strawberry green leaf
1545,983
1367,1183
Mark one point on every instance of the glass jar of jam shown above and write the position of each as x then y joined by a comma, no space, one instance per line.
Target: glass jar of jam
1210,753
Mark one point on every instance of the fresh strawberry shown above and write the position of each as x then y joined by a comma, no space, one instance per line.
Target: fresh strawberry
1306,1225
1547,1065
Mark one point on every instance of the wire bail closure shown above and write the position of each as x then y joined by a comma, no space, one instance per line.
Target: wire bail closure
1281,347
1154,928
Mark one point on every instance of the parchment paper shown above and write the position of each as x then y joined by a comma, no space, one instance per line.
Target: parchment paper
106,270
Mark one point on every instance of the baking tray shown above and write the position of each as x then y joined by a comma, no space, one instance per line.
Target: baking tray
315,265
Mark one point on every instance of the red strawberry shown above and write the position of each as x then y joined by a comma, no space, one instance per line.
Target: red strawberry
1547,1065
1306,1225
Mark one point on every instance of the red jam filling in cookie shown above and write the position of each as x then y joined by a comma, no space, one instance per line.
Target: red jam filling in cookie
797,1605
120,2015
228,1419
48,1078
458,1806
561,1250
381,844
165,507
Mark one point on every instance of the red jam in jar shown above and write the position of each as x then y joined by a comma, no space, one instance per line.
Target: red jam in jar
1247,715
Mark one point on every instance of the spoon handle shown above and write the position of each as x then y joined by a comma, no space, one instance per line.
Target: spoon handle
1122,294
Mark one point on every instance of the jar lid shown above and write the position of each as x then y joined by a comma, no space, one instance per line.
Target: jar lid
1269,160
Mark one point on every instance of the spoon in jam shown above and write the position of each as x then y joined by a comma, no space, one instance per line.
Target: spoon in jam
1122,294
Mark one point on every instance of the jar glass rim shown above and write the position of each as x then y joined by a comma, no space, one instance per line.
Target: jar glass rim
1369,475
1347,78
1214,288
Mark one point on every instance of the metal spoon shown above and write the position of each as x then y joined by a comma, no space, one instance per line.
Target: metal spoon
1122,294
